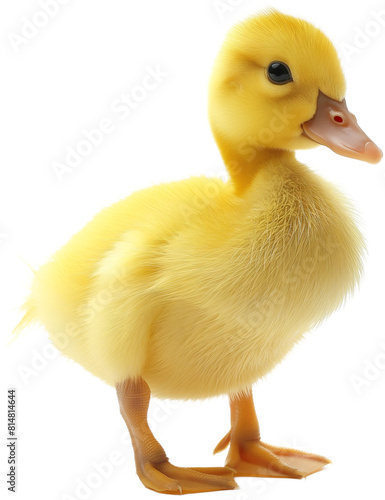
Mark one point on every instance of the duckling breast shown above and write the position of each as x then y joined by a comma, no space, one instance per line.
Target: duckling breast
234,311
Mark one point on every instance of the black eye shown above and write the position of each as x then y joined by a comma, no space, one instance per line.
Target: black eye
279,73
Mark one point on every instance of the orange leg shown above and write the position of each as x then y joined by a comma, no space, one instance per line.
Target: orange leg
152,464
249,456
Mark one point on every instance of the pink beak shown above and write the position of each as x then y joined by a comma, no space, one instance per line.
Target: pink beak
334,126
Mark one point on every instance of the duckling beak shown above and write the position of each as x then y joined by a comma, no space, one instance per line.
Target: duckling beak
334,126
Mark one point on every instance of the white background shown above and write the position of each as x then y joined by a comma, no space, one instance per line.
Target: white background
65,79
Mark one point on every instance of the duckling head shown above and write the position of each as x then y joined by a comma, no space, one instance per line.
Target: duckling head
277,84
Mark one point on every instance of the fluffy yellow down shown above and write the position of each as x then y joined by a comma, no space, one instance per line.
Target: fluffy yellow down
202,286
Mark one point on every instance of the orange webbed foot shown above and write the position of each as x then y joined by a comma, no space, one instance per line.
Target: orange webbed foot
164,477
253,458
249,456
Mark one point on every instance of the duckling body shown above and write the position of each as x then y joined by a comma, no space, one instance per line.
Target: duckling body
204,291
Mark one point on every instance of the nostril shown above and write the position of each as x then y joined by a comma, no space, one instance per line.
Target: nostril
337,117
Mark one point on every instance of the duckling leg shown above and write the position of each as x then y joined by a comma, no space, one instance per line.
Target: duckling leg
249,456
152,465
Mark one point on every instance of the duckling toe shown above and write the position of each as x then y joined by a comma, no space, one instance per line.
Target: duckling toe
307,463
257,459
167,478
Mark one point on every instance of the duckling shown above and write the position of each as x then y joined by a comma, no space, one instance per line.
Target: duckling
198,288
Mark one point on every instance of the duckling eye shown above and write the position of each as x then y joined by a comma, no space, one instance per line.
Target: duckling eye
279,73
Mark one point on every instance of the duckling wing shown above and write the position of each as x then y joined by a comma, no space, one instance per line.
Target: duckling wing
95,295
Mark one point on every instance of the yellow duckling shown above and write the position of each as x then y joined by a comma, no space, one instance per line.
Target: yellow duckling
198,288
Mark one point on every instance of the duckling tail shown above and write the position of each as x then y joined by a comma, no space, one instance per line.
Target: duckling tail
28,318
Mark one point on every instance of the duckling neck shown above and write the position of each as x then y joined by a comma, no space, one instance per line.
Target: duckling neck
243,164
